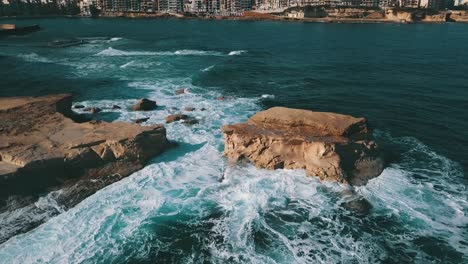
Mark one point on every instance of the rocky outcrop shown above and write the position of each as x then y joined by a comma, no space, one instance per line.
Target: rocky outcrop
42,147
458,16
144,105
176,117
328,145
180,91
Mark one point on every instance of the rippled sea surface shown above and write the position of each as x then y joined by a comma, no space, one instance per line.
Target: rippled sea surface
189,206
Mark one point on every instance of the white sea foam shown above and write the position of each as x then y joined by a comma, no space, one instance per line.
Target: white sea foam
254,215
115,52
198,53
268,96
115,39
237,52
207,69
130,63
34,57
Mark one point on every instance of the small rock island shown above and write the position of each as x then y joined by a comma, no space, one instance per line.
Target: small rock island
331,146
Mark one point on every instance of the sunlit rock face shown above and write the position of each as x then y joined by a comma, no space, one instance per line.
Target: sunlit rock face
41,146
331,146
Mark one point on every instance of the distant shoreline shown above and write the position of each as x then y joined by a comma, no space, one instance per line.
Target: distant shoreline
250,17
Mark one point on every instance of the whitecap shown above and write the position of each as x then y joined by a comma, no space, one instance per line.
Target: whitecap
34,57
130,63
237,52
207,69
268,96
115,52
188,52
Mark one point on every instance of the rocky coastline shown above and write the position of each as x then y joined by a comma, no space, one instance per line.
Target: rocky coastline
47,148
319,15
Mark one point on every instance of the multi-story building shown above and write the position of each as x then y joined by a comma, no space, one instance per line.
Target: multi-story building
149,6
409,3
172,6
460,2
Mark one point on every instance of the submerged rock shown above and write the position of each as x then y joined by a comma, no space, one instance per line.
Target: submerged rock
141,120
45,148
176,117
191,121
78,106
189,109
115,107
180,91
328,145
93,110
144,105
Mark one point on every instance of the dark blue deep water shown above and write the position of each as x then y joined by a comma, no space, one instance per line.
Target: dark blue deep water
410,81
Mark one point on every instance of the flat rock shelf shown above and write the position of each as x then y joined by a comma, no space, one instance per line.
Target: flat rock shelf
328,145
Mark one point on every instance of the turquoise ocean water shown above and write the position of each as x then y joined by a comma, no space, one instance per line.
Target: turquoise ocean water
410,81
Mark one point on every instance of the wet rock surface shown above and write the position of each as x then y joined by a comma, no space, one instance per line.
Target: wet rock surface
176,117
145,105
331,146
43,149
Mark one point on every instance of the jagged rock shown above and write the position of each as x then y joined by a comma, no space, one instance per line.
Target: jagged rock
328,145
180,91
191,121
141,120
93,110
221,98
203,109
45,148
115,107
144,105
78,106
189,109
176,117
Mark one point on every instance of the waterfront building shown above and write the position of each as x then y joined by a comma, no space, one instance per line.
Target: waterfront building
149,6
409,3
171,6
460,2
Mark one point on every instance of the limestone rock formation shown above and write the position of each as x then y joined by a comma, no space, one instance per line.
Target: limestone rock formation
144,105
328,145
41,146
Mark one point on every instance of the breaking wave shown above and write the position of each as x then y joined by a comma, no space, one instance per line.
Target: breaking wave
189,205
237,52
241,214
34,57
207,69
115,52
